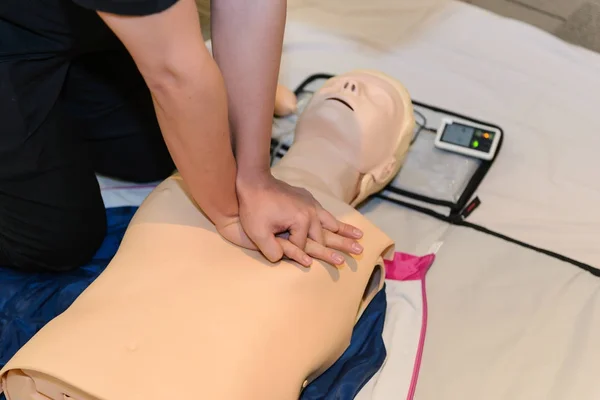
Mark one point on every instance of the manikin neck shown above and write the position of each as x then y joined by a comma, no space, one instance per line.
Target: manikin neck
316,163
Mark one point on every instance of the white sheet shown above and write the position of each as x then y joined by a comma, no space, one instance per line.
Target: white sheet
116,193
401,335
543,92
504,322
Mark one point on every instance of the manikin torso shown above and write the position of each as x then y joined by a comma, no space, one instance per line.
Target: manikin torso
182,313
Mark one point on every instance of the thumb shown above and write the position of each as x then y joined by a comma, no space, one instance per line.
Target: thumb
269,246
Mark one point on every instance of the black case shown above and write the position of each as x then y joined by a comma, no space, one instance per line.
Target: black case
452,210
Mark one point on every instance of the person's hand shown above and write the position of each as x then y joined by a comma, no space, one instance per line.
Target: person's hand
232,231
270,208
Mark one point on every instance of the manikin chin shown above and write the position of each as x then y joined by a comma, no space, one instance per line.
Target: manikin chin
180,313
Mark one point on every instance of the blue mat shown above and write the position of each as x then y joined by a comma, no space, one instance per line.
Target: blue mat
29,301
361,360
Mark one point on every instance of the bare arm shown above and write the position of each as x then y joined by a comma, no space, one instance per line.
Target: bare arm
247,39
189,98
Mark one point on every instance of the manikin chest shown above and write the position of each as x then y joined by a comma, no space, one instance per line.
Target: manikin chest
229,327
182,313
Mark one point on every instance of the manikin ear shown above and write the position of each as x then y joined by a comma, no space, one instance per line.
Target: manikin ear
376,179
386,171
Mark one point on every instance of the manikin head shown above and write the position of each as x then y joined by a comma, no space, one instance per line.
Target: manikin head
368,118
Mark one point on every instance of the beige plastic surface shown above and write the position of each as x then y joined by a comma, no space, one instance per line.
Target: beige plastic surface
285,101
372,133
182,313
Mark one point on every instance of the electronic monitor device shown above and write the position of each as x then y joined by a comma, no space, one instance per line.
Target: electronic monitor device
468,138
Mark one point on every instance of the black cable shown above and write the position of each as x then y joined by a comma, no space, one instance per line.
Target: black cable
421,126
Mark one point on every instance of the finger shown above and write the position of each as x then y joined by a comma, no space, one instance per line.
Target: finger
341,243
349,231
269,246
315,231
299,232
293,252
320,252
330,223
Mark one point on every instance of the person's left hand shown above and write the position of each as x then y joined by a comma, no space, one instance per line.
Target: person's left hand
233,232
269,207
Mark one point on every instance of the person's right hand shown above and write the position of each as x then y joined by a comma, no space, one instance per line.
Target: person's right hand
279,219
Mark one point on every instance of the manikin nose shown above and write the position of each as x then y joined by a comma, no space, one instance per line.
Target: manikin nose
350,87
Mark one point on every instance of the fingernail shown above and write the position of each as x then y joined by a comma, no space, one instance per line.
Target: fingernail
307,260
357,232
357,248
337,258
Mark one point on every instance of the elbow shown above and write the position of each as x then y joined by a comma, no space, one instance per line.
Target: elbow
176,73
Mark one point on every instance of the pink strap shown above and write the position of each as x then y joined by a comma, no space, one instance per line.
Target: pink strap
406,267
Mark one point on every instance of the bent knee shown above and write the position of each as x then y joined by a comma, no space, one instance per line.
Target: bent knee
52,247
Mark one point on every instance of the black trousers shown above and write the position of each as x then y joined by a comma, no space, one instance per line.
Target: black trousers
61,121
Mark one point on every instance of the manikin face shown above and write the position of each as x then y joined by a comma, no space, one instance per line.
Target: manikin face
360,113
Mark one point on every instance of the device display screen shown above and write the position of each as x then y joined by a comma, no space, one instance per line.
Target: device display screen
467,136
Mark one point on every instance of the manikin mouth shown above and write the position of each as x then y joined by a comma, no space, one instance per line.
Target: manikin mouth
341,101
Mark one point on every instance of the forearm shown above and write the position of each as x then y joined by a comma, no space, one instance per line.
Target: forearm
247,37
189,98
191,107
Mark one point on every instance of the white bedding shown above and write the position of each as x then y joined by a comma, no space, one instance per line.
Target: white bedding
505,322
543,92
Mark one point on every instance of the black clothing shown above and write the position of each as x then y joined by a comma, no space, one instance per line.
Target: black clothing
72,103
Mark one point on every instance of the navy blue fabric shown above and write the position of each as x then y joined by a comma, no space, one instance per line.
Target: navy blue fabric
29,301
361,360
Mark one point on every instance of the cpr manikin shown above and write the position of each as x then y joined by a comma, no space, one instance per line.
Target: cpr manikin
180,313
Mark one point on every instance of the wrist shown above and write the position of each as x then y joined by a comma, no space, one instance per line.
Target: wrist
220,215
220,210
221,221
223,216
253,176
253,160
